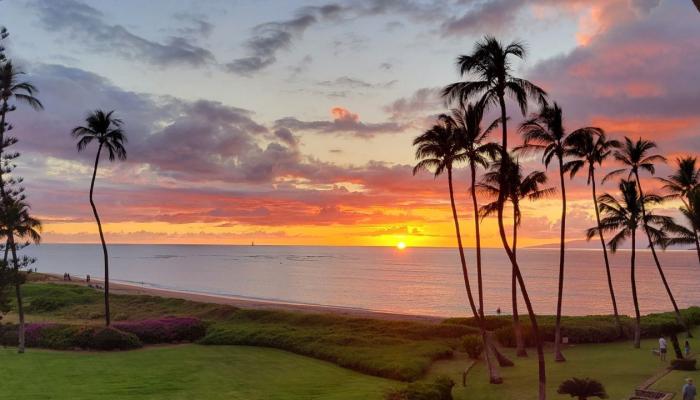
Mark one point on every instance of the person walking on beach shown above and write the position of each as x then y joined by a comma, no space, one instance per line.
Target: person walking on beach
688,390
87,278
662,348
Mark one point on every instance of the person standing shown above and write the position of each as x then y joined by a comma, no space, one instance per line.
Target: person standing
662,348
689,390
687,348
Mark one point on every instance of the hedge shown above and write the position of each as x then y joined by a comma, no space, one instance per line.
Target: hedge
165,330
439,389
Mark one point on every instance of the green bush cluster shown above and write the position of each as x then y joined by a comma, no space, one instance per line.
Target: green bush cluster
439,389
371,353
586,329
473,345
50,297
401,350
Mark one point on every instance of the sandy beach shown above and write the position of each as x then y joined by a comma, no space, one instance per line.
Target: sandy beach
135,289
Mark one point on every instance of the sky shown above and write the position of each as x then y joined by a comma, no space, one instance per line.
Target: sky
291,122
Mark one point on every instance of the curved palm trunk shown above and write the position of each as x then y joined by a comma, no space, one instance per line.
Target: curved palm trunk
558,356
637,324
494,376
679,317
102,237
605,253
475,205
517,327
542,387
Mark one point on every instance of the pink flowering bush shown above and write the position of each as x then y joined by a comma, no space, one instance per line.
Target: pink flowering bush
67,337
165,330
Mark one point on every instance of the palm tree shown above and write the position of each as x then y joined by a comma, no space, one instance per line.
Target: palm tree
545,132
681,234
682,183
591,146
490,63
471,141
518,188
623,217
17,224
582,389
12,88
635,156
437,149
106,130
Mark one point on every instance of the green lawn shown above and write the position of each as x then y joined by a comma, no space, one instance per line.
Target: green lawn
227,369
181,372
618,366
674,381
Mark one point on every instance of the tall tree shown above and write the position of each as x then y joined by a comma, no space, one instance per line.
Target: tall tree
634,155
12,90
489,63
682,235
471,139
106,130
622,218
437,152
591,147
682,184
518,188
16,224
545,132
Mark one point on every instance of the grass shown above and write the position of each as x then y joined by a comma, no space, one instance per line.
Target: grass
617,365
181,372
400,350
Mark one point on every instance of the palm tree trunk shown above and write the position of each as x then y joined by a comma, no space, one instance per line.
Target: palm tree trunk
10,238
475,205
637,318
558,356
517,327
605,252
679,317
102,237
493,371
18,293
697,243
542,372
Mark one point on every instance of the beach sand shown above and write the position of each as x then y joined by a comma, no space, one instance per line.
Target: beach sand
135,289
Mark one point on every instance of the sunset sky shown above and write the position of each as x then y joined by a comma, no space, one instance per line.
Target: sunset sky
290,122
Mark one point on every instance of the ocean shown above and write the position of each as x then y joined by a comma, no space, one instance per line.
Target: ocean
421,281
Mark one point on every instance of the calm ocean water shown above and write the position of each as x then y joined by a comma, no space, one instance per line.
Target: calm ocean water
413,281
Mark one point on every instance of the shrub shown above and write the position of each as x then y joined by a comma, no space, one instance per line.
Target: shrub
439,389
109,338
473,345
165,330
66,337
683,364
582,388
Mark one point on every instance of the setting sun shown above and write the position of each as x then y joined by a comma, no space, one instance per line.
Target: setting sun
400,245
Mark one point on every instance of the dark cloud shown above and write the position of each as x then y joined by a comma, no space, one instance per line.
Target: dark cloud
269,38
483,17
423,102
88,25
344,122
353,83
